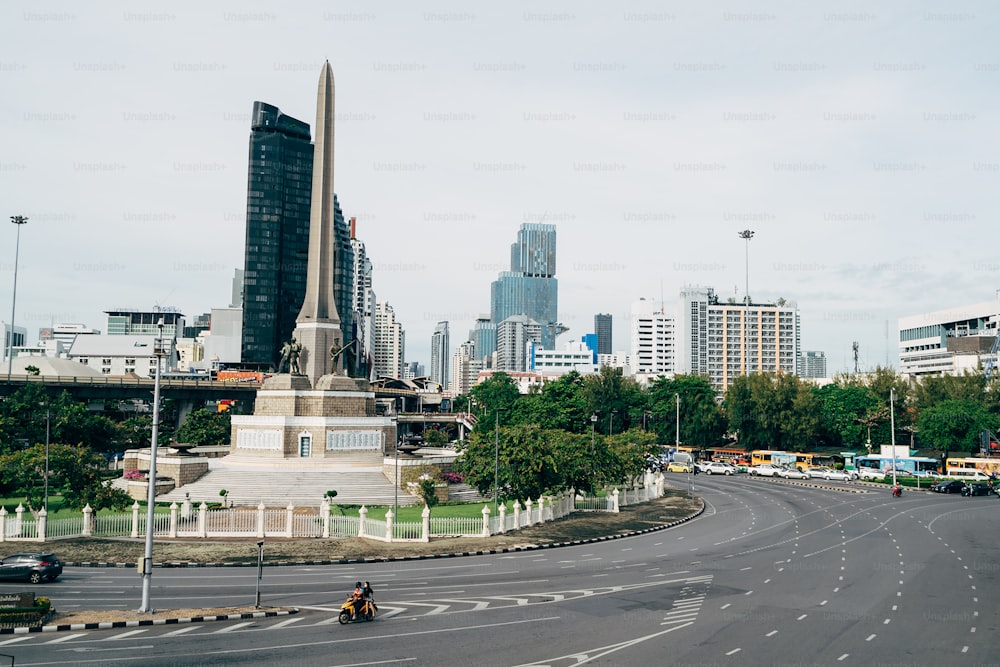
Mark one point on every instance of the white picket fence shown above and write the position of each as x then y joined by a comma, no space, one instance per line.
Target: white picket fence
186,521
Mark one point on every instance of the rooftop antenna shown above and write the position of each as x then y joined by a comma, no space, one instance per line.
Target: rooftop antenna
854,347
746,235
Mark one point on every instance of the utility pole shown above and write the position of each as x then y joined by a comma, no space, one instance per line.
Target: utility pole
146,567
17,220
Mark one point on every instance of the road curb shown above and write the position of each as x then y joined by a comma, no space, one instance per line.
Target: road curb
145,622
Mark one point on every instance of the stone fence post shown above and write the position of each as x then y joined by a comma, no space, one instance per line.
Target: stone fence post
203,520
174,510
261,519
389,519
289,514
527,510
614,501
3,524
43,518
362,517
486,521
88,522
135,519
326,516
425,529
503,518
517,515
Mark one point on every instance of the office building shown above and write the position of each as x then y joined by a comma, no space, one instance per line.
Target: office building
951,341
602,327
20,339
484,338
133,322
66,333
652,336
389,343
575,356
724,340
530,287
277,232
516,338
812,365
440,354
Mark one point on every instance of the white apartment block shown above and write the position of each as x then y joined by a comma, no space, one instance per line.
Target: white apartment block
389,342
465,367
514,336
574,356
123,354
653,340
724,340
620,359
949,342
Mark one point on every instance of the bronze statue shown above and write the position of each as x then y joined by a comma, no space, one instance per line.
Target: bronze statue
290,357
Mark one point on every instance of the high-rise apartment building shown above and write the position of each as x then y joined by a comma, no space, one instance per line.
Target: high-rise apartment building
363,305
653,340
724,340
812,364
530,287
465,367
440,357
514,336
389,342
279,187
602,327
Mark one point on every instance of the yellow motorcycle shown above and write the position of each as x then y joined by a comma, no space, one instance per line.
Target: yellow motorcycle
356,610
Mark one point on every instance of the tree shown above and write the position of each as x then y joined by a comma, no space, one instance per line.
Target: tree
955,425
203,427
559,404
617,401
74,473
494,397
702,421
772,412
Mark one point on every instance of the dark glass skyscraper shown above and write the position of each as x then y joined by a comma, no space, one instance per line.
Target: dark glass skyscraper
277,232
602,327
530,287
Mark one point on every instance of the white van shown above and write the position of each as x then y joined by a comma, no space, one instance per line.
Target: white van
971,474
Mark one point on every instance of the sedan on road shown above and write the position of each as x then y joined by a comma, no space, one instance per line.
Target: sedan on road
33,566
677,466
828,474
792,473
717,468
977,489
764,470
954,486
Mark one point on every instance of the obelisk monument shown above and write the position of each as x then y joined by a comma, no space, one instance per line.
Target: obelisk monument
317,327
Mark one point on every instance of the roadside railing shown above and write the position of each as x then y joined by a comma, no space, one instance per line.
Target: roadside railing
200,522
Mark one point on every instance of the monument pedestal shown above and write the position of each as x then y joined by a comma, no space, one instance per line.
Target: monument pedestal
335,422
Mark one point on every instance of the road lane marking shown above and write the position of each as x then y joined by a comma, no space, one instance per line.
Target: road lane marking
126,634
870,637
771,633
179,632
734,651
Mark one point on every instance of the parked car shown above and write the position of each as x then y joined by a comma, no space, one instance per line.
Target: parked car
952,486
871,474
677,466
977,489
764,470
830,474
792,473
717,468
33,566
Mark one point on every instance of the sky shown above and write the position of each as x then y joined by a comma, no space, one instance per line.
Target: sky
857,141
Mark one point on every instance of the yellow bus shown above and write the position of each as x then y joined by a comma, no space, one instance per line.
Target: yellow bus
800,460
987,466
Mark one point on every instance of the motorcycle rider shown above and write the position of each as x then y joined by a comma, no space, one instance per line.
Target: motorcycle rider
370,596
897,491
357,597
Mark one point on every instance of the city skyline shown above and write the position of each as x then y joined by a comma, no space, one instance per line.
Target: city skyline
862,159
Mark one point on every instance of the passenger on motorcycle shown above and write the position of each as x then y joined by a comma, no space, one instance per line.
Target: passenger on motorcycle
369,594
357,598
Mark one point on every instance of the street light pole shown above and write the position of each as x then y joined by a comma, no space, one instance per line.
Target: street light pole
892,419
48,412
593,430
746,235
496,463
17,220
147,560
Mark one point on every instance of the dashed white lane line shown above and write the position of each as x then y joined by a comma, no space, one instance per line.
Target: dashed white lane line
801,617
127,634
870,637
843,657
725,605
771,633
734,651
179,632
63,639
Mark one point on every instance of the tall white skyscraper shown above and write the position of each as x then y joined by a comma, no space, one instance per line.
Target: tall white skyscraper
514,336
389,342
465,367
653,337
440,354
363,306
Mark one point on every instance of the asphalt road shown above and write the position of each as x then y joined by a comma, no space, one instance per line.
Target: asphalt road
772,573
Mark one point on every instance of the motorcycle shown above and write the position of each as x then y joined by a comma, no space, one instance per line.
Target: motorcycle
365,611
897,492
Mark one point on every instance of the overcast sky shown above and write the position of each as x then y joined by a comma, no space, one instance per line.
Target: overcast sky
858,141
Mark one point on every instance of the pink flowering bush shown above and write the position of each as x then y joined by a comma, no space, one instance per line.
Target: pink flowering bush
135,474
452,477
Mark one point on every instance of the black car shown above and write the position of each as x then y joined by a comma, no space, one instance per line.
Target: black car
953,486
35,566
977,489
